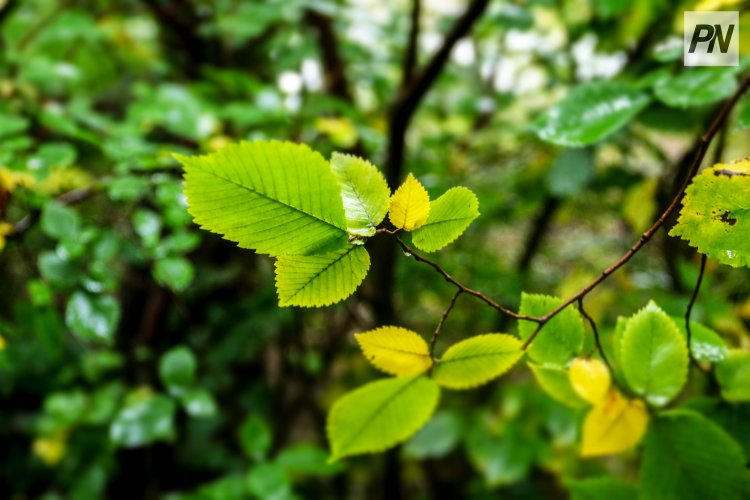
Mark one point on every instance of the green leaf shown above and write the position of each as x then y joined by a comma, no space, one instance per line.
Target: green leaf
436,439
147,224
689,457
654,355
449,217
269,482
59,221
570,172
555,380
92,317
307,460
277,198
144,422
365,193
255,437
589,113
715,215
198,403
320,280
502,457
176,273
380,414
560,340
11,124
705,344
697,87
733,375
604,487
477,360
177,369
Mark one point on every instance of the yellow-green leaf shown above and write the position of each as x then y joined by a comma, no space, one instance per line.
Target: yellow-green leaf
410,205
380,414
395,350
449,217
477,360
590,379
555,380
614,425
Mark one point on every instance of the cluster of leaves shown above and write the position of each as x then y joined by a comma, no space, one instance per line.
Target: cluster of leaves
285,200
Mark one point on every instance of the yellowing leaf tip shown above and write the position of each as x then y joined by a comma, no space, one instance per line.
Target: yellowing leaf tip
410,205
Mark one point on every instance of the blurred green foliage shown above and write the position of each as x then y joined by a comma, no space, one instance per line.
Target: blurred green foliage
143,358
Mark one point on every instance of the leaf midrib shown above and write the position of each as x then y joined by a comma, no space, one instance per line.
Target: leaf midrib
275,200
317,275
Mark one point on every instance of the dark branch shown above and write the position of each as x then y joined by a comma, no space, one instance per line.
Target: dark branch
690,305
335,82
461,287
442,322
592,323
412,45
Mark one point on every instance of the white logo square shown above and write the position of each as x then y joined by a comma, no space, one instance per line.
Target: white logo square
711,38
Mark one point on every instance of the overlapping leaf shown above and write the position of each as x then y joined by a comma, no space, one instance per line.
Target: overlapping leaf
365,193
555,380
477,360
590,378
614,425
380,414
733,375
688,457
320,280
654,356
449,217
395,350
560,340
410,205
277,198
715,216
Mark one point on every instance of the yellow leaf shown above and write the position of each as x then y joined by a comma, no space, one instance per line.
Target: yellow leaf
2,343
410,205
590,379
50,449
395,350
614,425
10,179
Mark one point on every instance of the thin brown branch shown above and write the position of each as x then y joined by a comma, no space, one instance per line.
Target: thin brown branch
597,340
450,279
447,311
689,309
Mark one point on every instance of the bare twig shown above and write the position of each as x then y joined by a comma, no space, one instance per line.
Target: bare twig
597,340
409,250
442,322
690,305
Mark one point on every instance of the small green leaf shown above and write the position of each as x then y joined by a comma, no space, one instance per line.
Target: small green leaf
306,460
449,217
198,403
147,224
589,113
688,457
92,317
733,375
177,369
555,380
570,172
269,481
696,87
365,193
59,221
380,414
654,355
436,439
560,340
477,360
176,273
320,280
144,422
715,215
255,437
277,198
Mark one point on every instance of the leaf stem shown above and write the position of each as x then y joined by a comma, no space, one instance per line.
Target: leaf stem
597,340
689,308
